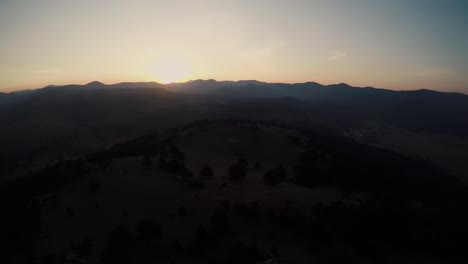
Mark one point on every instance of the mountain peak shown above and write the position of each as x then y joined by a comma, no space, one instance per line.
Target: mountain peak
95,83
202,81
340,85
344,85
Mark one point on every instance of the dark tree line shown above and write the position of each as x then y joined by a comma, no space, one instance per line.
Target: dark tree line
238,170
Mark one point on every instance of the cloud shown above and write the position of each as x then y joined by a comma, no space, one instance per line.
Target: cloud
336,55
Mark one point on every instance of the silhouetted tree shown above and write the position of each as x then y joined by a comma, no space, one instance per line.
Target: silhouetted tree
226,204
94,186
238,171
48,259
258,165
242,253
182,211
148,230
199,245
206,172
196,184
70,212
147,162
173,160
275,176
220,222
176,246
118,246
54,200
85,248
243,162
104,163
201,235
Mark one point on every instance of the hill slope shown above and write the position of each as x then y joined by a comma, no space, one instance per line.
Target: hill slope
274,193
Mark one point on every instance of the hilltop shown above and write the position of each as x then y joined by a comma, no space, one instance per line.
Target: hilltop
250,191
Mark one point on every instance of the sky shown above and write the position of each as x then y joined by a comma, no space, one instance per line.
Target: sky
397,44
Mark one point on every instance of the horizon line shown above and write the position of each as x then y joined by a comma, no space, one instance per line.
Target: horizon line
235,81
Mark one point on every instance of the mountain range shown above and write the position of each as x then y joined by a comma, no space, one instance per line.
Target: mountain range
70,120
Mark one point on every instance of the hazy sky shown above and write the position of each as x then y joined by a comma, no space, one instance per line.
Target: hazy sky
398,44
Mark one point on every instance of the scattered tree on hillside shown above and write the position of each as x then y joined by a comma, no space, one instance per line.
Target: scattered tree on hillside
199,245
94,186
238,171
70,212
258,165
220,222
104,164
226,204
48,259
206,172
201,235
243,162
118,246
54,201
182,211
149,230
177,246
84,249
275,176
242,253
247,209
186,172
147,162
172,160
196,184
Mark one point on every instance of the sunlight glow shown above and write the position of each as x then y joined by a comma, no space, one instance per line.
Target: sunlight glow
168,69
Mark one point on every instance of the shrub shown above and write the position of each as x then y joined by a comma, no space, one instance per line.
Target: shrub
237,172
147,162
275,176
220,222
94,186
118,246
196,184
182,211
242,253
206,172
148,230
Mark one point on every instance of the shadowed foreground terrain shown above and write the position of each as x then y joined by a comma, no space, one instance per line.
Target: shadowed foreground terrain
232,191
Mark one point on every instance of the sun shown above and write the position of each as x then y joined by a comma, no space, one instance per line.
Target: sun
169,69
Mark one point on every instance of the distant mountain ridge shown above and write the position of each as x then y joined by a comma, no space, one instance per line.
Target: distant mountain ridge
363,99
437,112
201,86
62,119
